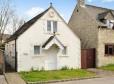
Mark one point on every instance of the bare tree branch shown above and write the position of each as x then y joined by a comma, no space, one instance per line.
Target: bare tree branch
8,17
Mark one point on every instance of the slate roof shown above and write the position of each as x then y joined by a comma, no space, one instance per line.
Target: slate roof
95,11
27,25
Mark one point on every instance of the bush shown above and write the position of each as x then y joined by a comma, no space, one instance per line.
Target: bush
42,69
32,69
65,68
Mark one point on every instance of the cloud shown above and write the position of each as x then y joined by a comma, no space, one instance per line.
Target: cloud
34,11
89,0
107,0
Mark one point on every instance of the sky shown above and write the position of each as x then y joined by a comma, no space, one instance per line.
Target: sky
29,8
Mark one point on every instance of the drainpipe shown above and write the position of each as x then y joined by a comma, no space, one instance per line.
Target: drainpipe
16,55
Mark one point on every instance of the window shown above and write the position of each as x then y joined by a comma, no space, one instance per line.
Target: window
64,51
36,50
48,25
109,49
108,23
52,26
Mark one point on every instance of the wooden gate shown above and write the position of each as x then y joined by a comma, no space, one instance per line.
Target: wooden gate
88,58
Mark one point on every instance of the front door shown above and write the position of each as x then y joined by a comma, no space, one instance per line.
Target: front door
51,63
51,59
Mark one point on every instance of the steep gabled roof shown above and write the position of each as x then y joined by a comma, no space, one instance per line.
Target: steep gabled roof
27,25
95,11
104,14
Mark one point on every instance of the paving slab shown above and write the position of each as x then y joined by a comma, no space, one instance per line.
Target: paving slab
14,78
102,73
2,79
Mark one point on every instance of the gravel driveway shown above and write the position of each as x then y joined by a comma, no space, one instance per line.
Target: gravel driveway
2,80
106,80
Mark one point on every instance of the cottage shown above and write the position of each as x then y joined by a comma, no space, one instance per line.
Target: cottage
95,27
45,42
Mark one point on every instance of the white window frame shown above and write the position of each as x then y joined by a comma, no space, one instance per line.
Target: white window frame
109,24
39,50
52,27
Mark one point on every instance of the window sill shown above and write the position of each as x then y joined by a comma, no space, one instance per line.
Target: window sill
37,56
63,56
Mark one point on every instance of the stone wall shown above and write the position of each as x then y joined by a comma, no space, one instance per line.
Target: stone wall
85,27
106,36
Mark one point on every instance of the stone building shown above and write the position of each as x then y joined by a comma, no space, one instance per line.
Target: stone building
95,27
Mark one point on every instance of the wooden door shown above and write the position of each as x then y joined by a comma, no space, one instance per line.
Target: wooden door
88,58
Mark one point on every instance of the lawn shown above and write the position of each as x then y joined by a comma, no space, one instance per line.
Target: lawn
35,76
109,67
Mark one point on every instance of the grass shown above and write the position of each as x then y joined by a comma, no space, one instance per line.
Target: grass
35,76
109,67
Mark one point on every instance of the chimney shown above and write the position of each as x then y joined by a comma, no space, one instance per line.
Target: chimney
81,3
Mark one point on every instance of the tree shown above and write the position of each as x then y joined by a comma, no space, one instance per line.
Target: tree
8,19
15,24
5,13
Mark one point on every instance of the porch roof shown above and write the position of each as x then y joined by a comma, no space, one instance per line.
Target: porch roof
53,40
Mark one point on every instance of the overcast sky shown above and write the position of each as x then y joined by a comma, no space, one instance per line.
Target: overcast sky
29,8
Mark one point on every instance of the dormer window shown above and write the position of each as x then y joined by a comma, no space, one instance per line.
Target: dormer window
51,26
109,23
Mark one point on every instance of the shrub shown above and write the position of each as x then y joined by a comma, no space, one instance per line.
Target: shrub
32,69
42,69
64,68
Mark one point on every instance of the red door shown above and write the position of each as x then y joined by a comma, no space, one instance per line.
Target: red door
88,58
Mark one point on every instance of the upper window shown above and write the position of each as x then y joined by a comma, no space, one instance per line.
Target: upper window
108,23
52,26
36,50
109,49
48,25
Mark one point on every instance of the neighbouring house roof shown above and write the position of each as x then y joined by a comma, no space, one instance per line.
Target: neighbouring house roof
104,14
95,11
27,25
98,12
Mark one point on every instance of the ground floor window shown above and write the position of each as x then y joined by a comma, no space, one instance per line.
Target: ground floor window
37,49
109,49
